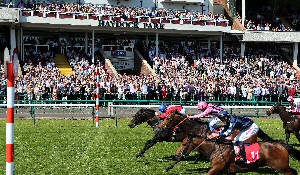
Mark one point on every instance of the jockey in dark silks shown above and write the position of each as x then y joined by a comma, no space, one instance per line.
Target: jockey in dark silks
247,129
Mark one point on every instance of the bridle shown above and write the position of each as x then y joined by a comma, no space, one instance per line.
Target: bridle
271,109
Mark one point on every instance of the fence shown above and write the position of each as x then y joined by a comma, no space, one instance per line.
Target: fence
49,110
251,111
122,108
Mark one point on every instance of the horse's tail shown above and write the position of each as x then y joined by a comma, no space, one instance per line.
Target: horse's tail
263,136
292,151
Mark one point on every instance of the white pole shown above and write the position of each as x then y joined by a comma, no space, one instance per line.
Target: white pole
97,96
93,46
295,53
243,12
10,113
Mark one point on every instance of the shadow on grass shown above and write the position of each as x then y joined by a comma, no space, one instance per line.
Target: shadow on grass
296,145
189,158
262,170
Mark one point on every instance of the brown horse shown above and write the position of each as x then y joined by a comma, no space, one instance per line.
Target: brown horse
186,143
222,156
160,135
291,123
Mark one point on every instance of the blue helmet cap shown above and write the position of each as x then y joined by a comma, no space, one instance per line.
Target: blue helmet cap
162,108
223,114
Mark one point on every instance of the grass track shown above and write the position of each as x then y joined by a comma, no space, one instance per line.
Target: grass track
63,147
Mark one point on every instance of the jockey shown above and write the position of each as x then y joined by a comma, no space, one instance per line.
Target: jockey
247,129
294,107
209,109
166,110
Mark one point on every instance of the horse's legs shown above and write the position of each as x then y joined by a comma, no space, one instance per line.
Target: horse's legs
287,137
292,171
184,146
198,158
297,134
214,171
148,145
216,168
159,136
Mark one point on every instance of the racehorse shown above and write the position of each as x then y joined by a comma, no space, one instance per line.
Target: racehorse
222,156
186,143
291,123
160,135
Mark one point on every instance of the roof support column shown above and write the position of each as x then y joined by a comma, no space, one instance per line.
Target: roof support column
221,48
156,44
18,41
93,46
208,45
295,53
21,44
147,40
86,43
13,44
243,46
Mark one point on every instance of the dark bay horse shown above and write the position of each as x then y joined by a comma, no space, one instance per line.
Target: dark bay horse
160,135
222,156
186,143
291,123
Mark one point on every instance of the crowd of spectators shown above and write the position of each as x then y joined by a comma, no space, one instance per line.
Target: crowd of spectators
185,71
268,19
123,12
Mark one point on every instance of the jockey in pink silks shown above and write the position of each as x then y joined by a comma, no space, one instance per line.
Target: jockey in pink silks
209,109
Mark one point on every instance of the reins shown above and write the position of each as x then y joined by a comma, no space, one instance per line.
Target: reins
199,144
181,122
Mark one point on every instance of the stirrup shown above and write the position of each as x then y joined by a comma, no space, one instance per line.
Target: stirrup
240,159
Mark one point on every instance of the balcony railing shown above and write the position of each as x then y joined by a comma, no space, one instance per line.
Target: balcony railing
111,17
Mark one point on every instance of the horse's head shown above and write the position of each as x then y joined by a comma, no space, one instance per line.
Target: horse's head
141,116
172,120
274,109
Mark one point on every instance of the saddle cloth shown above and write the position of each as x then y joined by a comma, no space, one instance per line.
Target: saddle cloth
252,152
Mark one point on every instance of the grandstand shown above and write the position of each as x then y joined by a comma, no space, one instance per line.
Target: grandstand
154,49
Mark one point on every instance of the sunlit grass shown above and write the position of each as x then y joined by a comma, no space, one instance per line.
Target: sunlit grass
77,147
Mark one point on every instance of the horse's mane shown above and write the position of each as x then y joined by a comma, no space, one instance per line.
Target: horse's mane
283,107
146,111
198,124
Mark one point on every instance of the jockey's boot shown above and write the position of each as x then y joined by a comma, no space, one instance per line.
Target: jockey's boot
239,153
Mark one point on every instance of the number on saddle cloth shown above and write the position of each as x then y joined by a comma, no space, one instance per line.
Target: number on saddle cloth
252,152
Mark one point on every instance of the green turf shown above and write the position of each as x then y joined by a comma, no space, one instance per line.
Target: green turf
77,147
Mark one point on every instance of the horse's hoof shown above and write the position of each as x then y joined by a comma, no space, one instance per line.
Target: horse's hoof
176,158
139,155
